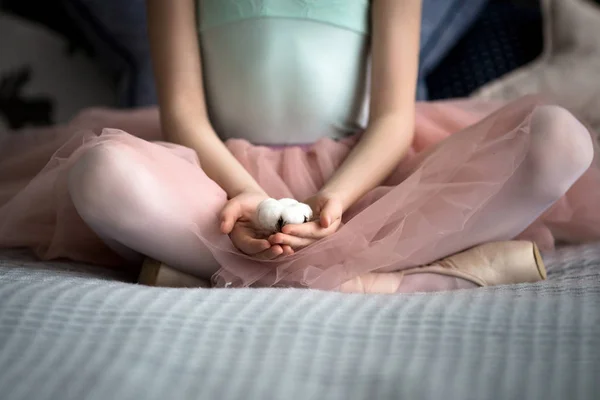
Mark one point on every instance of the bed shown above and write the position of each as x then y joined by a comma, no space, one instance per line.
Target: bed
74,332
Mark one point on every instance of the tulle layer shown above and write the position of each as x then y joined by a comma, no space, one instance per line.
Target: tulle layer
423,212
427,209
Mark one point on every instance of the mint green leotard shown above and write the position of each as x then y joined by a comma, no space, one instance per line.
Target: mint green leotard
282,72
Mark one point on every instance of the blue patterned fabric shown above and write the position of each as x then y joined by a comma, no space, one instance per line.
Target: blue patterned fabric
507,36
444,22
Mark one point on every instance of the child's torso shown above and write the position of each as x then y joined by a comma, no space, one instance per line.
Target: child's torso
285,71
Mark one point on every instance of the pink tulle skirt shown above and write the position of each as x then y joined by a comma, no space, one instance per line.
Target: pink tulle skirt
424,211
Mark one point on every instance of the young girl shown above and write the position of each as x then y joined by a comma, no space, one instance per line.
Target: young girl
313,101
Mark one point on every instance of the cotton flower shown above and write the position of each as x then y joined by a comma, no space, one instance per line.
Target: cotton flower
273,214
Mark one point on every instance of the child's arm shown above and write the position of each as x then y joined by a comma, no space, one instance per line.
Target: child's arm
395,55
178,71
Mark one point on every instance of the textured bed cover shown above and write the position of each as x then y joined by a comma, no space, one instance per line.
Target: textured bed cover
71,333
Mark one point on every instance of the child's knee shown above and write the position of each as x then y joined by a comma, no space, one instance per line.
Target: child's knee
561,150
98,177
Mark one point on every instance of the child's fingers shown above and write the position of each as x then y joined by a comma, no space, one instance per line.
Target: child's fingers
271,253
229,215
310,230
295,242
287,250
306,230
226,226
252,246
330,213
259,245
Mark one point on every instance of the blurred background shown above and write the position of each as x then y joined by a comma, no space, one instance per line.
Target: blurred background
59,56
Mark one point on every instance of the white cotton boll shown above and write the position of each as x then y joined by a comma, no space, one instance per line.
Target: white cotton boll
272,215
270,203
306,210
298,213
287,202
268,214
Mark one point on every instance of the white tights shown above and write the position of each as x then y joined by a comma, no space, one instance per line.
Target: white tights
137,214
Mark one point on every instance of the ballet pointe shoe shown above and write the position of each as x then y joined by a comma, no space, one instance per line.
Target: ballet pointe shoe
491,264
155,273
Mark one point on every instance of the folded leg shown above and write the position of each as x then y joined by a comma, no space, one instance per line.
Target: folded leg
557,151
142,200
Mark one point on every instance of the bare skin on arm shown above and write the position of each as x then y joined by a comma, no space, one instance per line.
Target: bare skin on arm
177,67
178,70
390,132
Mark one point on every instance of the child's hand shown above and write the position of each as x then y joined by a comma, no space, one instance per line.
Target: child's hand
328,211
237,222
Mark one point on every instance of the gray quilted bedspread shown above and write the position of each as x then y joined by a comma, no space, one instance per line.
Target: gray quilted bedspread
73,332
